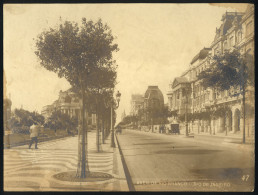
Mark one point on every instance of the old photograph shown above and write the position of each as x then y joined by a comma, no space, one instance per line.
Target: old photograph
129,97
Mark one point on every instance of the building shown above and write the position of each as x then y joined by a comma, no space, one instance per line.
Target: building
7,108
153,99
68,103
137,101
187,94
123,115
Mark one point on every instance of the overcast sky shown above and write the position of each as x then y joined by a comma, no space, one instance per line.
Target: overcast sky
156,42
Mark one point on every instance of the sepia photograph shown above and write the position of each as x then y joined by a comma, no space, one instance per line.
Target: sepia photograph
128,97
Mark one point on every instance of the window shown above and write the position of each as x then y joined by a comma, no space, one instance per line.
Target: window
249,28
222,94
231,42
239,36
216,50
225,45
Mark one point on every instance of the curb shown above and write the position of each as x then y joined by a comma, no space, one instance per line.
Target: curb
120,167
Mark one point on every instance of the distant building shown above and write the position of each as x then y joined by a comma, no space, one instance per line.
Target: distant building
153,98
235,32
7,108
68,103
137,101
123,116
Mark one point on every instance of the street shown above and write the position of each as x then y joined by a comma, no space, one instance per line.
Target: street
173,163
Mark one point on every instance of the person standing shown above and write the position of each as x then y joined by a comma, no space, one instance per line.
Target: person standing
34,132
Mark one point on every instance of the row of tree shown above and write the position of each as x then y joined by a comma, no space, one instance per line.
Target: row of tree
231,70
83,54
149,116
21,120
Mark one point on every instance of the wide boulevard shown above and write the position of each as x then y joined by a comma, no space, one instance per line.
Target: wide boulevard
174,162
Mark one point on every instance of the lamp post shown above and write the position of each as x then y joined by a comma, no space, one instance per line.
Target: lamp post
112,106
187,90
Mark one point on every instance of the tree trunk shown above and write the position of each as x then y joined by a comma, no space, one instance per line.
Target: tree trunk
82,167
97,131
112,129
102,128
243,115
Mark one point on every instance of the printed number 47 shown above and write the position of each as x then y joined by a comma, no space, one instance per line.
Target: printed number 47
245,177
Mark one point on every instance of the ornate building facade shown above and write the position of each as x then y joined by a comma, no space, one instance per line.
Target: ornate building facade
153,99
187,94
68,103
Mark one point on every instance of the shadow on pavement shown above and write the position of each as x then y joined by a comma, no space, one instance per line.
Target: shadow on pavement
175,147
225,173
155,143
186,152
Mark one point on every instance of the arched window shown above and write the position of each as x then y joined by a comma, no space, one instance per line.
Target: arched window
225,45
239,36
231,41
249,28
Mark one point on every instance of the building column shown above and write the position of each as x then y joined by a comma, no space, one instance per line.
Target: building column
229,122
221,124
236,121
202,126
216,126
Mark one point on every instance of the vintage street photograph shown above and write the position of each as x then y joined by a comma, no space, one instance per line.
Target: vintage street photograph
128,97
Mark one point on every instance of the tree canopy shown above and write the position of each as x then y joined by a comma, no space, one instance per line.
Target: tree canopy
230,69
58,120
24,119
78,53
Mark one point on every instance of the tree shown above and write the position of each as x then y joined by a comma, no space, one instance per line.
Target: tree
102,81
76,53
61,121
155,115
22,119
230,69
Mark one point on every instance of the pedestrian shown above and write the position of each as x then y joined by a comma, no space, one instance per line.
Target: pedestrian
34,132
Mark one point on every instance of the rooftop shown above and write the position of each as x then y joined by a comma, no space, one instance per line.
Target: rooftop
201,55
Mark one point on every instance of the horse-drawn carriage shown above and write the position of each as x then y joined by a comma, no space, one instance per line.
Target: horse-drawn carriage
174,129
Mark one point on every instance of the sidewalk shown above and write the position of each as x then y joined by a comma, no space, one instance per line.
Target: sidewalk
216,140
32,170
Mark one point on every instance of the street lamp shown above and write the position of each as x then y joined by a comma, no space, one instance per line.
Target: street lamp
187,90
112,106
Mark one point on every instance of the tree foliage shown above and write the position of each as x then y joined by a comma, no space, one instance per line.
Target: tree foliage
230,69
61,121
154,115
22,119
77,53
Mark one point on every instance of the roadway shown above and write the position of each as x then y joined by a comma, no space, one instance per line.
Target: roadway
174,163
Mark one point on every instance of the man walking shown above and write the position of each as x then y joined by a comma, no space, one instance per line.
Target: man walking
34,132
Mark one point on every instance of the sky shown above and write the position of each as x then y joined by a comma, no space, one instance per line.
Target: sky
157,43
